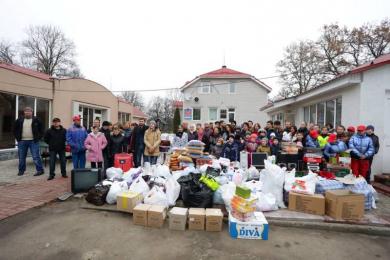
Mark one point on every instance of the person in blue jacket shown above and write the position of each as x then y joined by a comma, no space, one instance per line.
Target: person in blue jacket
362,149
333,147
75,137
230,150
311,139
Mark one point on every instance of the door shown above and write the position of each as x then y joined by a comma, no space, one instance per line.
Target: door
386,136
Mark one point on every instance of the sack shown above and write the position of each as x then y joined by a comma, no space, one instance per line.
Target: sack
217,197
254,186
238,177
172,188
112,173
228,191
115,189
97,194
272,178
131,175
162,171
222,180
197,196
266,202
140,186
305,184
156,196
253,173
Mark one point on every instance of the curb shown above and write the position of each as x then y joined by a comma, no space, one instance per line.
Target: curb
350,228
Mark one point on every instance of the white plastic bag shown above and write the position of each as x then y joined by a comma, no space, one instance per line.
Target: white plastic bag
156,196
224,161
253,173
113,172
163,171
172,191
222,179
305,184
254,186
115,189
238,176
266,202
129,175
272,178
228,191
203,168
139,186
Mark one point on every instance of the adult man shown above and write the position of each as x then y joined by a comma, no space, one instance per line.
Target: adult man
55,137
361,149
245,130
75,137
278,130
105,129
28,131
207,132
269,128
137,142
287,126
375,141
340,131
96,123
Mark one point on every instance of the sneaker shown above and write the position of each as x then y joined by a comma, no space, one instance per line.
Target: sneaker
38,173
20,173
50,178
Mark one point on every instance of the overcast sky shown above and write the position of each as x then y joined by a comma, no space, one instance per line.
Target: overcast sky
127,45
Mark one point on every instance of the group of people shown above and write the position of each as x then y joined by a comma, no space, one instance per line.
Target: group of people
221,139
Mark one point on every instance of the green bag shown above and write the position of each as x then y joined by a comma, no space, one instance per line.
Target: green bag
209,182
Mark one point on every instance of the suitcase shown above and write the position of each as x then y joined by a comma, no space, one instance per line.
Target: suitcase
123,161
84,179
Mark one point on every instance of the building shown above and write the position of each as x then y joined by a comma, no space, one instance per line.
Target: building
361,96
224,94
53,97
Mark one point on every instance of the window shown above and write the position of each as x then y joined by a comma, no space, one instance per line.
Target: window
213,114
338,111
320,113
196,114
313,114
42,112
24,102
231,114
205,88
306,114
232,88
123,117
279,117
330,112
7,120
222,114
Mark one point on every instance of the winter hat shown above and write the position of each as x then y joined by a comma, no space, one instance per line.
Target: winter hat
351,129
76,118
361,128
313,134
272,135
370,127
332,138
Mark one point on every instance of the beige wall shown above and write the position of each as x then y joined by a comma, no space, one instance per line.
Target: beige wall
17,83
125,107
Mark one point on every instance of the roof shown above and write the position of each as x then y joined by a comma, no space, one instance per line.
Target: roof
226,73
138,113
26,71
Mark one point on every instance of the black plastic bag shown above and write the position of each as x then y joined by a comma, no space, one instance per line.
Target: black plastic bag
97,194
196,195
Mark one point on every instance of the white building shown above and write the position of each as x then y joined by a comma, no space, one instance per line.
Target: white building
224,94
361,96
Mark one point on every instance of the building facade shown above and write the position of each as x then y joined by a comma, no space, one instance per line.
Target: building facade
224,94
361,96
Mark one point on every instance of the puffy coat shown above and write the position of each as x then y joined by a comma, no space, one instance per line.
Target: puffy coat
230,151
152,141
361,145
75,137
322,141
56,138
310,142
332,149
95,145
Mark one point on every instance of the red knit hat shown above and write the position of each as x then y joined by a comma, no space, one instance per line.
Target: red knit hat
313,134
361,128
332,138
76,117
351,129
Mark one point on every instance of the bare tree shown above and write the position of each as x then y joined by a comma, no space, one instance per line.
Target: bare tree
355,47
46,49
161,109
377,38
133,97
7,52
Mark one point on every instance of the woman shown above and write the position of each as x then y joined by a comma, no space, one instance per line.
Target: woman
117,143
127,133
214,137
152,140
256,128
192,133
95,143
290,136
181,138
199,130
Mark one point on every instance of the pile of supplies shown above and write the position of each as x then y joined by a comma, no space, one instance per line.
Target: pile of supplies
195,149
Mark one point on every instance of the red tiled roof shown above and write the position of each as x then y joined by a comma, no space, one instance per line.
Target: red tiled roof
178,104
138,113
26,71
224,72
382,60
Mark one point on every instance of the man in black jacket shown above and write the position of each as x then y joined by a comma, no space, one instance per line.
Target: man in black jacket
106,151
137,144
55,137
375,141
28,131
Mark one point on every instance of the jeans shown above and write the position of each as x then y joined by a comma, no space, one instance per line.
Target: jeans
23,147
151,159
78,159
138,153
99,165
53,158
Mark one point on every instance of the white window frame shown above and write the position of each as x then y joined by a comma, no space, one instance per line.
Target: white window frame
216,118
219,114
200,114
203,86
229,88
229,112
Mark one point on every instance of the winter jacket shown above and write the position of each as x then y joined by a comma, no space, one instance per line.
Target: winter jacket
375,142
192,136
275,149
117,145
107,134
361,145
75,137
152,141
310,142
95,145
127,135
206,139
230,151
137,137
180,141
303,130
322,140
331,149
264,149
36,126
217,150
56,139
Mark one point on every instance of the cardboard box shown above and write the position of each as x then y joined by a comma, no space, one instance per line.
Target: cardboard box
344,204
156,216
127,200
140,214
254,229
214,218
196,218
312,204
178,218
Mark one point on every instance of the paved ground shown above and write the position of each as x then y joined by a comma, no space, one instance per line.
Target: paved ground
63,230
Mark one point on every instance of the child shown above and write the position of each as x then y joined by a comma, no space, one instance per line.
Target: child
251,144
311,139
323,137
95,143
217,149
333,147
230,150
264,148
275,147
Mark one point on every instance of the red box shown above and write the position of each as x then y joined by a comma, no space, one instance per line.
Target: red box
123,161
